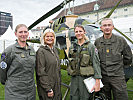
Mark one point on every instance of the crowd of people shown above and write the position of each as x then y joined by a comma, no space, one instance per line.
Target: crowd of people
104,61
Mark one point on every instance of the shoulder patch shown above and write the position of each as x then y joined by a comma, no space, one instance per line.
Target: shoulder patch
3,65
3,56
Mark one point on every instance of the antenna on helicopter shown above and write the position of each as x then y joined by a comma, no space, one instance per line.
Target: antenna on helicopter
69,12
65,7
73,7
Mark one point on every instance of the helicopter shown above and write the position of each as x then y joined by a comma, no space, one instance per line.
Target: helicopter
64,30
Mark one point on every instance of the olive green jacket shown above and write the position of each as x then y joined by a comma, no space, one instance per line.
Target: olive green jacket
93,53
48,72
114,53
17,72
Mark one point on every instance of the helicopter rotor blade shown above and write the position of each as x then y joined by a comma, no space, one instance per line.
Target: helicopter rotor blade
110,13
51,12
124,35
112,10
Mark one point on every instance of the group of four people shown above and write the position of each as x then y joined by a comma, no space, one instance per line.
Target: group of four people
104,61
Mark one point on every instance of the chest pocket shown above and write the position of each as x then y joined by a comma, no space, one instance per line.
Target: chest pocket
86,68
72,58
19,55
116,53
101,51
85,57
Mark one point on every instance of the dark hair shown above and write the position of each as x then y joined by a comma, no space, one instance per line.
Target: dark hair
80,27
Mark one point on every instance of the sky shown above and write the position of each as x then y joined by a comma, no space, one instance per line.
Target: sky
28,11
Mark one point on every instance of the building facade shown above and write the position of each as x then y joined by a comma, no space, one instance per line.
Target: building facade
122,16
38,31
6,19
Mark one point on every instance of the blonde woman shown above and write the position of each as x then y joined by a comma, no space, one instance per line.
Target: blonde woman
48,68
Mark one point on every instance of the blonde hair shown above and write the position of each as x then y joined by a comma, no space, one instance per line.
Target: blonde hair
20,25
44,34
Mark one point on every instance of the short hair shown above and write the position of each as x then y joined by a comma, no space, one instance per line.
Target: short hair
79,25
107,19
20,25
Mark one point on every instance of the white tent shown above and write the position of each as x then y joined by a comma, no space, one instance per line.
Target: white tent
8,38
8,35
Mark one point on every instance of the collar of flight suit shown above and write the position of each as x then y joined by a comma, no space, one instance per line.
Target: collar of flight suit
86,41
18,46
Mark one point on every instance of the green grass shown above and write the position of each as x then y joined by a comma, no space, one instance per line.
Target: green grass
66,80
130,87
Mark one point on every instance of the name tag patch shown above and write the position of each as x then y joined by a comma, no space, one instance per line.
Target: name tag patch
32,54
22,55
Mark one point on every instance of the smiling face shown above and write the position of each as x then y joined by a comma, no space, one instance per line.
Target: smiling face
22,34
49,39
79,33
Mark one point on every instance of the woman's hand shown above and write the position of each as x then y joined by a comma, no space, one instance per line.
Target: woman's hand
96,87
50,93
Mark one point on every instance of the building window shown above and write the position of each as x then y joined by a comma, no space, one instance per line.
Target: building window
115,17
115,11
125,15
104,14
125,9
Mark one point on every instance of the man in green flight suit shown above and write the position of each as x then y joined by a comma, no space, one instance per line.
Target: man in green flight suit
114,53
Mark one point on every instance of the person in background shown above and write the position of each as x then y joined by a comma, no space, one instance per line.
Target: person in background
48,74
17,68
114,53
83,63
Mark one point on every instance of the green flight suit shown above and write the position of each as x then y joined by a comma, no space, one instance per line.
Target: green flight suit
17,72
114,53
78,90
